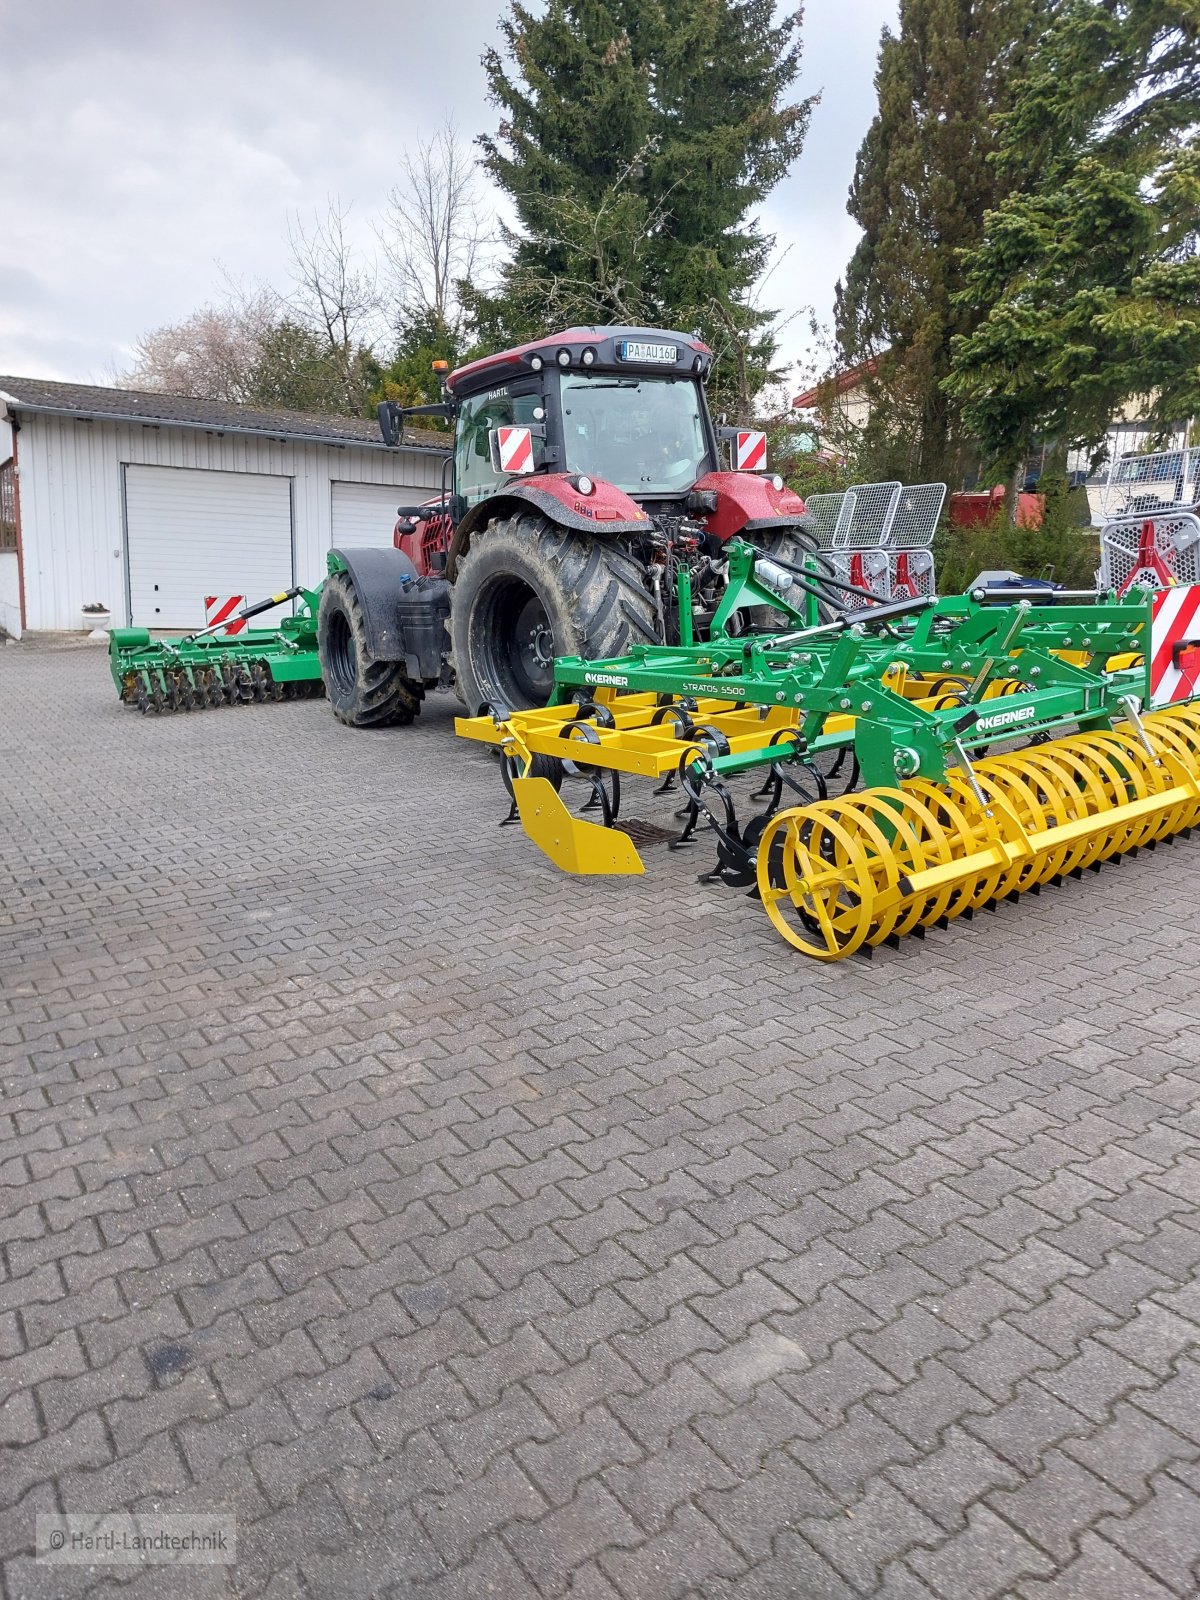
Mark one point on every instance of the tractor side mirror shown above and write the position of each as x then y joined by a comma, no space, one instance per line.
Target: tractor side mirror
391,420
512,450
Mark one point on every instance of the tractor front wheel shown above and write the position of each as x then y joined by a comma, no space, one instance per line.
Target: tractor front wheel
363,692
528,591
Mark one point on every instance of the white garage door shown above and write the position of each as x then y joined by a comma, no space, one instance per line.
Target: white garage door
365,513
193,534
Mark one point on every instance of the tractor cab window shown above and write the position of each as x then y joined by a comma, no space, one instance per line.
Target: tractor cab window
474,477
646,435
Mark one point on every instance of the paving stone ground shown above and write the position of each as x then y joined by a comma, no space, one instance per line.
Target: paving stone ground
465,1230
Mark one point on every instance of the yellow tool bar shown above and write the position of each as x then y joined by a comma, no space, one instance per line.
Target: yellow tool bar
635,745
638,746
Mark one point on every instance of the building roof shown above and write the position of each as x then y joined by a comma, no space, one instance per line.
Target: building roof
185,411
840,383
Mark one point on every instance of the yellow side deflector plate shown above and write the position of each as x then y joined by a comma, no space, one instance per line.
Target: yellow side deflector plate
572,844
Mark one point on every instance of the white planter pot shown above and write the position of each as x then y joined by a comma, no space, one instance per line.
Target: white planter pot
93,620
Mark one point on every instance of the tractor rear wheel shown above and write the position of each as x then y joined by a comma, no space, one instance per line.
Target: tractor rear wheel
363,692
527,591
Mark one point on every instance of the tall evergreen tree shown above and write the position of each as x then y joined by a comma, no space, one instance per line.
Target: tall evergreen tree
409,378
637,138
1088,276
923,180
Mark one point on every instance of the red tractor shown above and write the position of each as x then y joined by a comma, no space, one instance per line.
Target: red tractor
586,472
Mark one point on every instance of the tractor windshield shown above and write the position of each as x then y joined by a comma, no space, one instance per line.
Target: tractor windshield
645,435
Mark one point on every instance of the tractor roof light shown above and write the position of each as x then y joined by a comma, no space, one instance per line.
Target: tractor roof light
536,363
439,366
588,357
563,358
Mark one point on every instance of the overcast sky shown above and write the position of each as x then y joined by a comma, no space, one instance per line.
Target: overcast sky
146,148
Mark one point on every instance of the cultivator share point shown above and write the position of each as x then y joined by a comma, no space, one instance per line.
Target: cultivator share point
217,667
908,697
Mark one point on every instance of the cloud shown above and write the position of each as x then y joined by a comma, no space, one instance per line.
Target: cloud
146,147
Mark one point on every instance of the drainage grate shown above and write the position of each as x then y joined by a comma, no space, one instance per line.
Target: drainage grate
646,833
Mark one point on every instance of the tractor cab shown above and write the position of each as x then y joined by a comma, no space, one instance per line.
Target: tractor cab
625,407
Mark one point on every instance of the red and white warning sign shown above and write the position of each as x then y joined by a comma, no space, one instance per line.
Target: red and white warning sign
514,449
751,452
1149,567
219,608
1175,645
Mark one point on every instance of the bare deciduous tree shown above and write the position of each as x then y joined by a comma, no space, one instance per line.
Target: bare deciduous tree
336,296
213,354
435,235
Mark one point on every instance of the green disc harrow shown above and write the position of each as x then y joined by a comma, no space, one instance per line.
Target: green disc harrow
217,668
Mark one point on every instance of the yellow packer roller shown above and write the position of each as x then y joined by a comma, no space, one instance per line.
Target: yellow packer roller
840,875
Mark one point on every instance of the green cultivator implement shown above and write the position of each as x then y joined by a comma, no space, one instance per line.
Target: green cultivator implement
217,668
911,697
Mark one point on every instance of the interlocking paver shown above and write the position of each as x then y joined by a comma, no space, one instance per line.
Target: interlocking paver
467,1230
876,1529
1099,1572
988,1560
1163,1533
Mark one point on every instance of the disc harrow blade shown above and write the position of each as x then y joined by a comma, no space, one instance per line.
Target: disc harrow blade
166,686
199,671
850,873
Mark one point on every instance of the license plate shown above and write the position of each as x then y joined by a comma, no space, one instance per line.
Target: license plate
630,350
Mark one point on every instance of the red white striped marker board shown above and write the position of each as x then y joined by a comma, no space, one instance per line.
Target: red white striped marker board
751,451
219,607
1175,645
514,448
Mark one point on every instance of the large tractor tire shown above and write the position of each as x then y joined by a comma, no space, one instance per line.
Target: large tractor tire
363,692
791,544
528,591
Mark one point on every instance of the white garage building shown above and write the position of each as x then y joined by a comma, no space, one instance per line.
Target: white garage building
148,503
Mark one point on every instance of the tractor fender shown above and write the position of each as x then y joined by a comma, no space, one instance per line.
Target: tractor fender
748,502
404,614
607,510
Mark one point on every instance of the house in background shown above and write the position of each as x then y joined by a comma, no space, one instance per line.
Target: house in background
147,503
839,405
838,408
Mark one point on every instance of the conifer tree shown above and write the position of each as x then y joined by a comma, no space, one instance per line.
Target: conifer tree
923,181
637,138
1087,279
